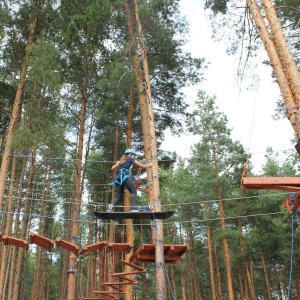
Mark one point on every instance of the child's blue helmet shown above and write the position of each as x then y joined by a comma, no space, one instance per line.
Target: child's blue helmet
127,151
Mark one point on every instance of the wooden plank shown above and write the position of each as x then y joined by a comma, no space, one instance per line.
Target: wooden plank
93,247
7,240
291,184
119,247
67,245
41,241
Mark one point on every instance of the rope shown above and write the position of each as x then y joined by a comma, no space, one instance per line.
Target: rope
291,260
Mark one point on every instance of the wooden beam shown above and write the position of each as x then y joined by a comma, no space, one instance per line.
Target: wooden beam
67,245
291,184
119,247
93,247
41,241
7,240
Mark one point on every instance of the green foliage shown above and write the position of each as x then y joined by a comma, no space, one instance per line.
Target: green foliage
7,93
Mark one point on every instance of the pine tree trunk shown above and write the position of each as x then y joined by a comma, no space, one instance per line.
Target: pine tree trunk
63,276
78,188
150,147
249,288
210,257
279,289
226,249
172,275
24,227
287,59
128,222
277,65
13,256
37,292
16,109
195,288
267,279
6,251
219,287
183,286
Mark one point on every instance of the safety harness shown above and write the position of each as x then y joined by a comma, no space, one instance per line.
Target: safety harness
121,177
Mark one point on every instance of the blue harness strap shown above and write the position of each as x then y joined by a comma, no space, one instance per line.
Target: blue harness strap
121,177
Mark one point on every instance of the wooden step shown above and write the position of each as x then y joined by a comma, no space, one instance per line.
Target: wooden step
7,240
41,241
67,245
119,247
93,247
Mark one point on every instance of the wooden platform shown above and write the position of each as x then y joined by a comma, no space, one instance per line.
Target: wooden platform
146,253
291,184
41,241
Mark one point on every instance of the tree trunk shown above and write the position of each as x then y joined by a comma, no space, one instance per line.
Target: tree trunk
6,251
195,288
279,289
78,189
150,147
249,288
129,225
267,278
210,257
16,109
216,264
286,57
183,286
277,65
38,284
13,256
226,251
24,227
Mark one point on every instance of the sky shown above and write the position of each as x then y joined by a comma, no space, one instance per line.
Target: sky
249,113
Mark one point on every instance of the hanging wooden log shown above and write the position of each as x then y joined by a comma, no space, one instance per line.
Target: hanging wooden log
41,241
7,240
119,247
67,245
93,247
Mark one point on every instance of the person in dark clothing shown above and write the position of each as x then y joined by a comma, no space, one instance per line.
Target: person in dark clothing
123,178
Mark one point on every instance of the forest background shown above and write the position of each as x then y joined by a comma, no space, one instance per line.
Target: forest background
68,68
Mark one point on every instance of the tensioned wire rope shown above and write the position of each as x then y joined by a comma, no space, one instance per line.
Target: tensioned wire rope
90,203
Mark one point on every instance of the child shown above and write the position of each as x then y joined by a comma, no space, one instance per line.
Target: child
123,178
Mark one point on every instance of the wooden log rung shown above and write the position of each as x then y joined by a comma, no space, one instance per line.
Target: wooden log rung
67,245
119,247
7,240
93,247
41,241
